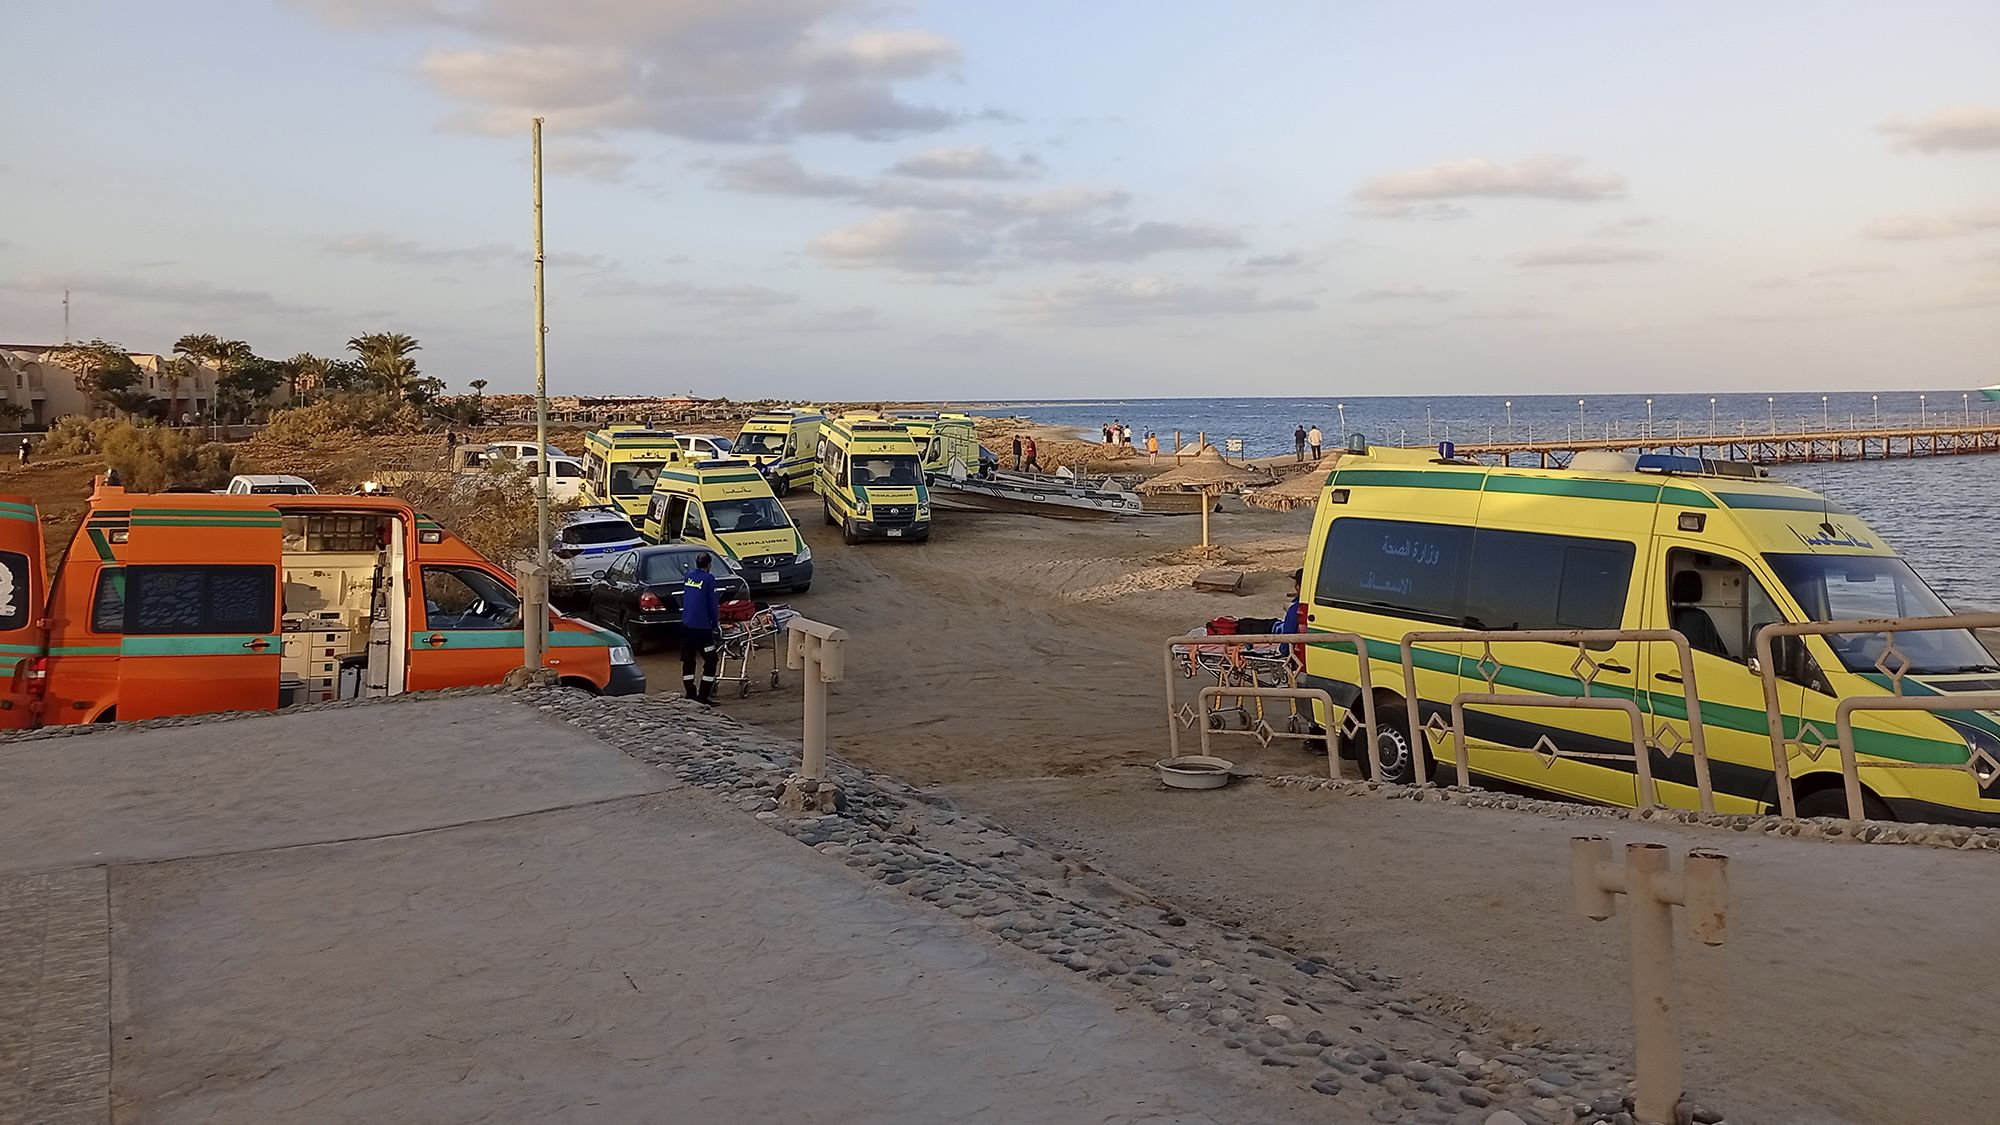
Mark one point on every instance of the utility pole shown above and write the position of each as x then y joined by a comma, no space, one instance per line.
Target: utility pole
65,316
535,629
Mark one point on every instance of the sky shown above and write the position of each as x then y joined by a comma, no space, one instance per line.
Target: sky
846,199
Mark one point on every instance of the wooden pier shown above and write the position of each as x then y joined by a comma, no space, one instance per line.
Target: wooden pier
1777,448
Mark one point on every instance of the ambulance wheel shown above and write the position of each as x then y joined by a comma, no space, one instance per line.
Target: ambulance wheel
847,533
1832,801
1392,740
827,511
781,487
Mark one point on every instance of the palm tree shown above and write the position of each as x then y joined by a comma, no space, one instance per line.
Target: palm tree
478,388
385,356
194,351
308,374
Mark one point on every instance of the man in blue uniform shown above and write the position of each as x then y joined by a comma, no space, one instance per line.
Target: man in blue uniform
701,609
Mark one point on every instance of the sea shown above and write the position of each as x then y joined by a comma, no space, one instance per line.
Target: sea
1927,508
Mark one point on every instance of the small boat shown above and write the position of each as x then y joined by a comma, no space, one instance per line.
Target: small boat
1992,392
1059,495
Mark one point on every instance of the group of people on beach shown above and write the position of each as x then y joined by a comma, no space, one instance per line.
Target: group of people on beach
1302,437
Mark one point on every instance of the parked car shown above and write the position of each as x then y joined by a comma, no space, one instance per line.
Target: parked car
522,450
269,484
640,592
586,542
706,447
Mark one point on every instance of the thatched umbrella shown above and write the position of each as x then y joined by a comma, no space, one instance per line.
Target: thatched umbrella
1205,472
1295,492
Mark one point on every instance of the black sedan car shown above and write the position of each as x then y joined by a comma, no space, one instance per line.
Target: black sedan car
640,592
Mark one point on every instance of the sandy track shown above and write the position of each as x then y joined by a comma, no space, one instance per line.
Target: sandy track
996,649
1851,991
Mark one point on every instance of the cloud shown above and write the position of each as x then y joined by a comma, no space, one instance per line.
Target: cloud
1622,228
1097,300
1586,256
907,241
589,161
380,247
1961,128
192,295
967,162
728,298
1407,293
745,70
1427,192
780,174
1269,265
1908,228
1852,269
1054,239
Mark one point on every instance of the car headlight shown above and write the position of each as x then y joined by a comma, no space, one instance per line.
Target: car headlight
621,654
1982,750
805,555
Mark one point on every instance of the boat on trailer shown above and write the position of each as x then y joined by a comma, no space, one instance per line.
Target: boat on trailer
1059,495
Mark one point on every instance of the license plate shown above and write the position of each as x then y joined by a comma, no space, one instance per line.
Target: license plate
767,578
895,533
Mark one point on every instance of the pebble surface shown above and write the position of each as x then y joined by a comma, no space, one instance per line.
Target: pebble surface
1340,1031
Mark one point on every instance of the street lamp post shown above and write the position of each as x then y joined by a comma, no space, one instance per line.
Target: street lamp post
1772,403
1579,419
1967,399
1342,407
1877,399
1923,410
1510,419
1649,418
1711,414
1825,419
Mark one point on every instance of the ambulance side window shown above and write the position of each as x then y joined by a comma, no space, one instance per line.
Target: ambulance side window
107,604
164,600
466,597
691,528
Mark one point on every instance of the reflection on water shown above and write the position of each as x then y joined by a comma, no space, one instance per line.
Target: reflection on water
1932,510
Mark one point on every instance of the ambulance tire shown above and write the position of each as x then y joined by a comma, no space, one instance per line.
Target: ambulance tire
826,510
781,487
1832,801
848,535
1392,739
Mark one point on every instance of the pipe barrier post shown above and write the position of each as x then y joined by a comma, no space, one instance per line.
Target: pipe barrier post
1652,889
815,650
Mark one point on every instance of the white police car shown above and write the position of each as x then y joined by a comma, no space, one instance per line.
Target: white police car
586,542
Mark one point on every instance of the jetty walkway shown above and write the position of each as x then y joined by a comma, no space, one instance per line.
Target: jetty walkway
1773,448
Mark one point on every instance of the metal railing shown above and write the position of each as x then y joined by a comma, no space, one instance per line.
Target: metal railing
1586,669
1894,664
1263,731
1179,714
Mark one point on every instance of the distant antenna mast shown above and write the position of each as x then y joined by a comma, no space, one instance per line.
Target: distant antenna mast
65,316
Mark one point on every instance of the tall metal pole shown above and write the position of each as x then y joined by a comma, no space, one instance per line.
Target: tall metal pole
535,629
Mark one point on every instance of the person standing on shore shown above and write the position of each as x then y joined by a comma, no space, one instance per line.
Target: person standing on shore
1299,442
1313,438
1028,448
1153,447
1017,453
701,613
26,449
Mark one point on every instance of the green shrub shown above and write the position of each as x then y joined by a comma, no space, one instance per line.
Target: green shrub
73,435
155,458
343,418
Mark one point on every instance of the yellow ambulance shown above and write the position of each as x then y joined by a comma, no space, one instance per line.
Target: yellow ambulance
727,506
1406,540
871,479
